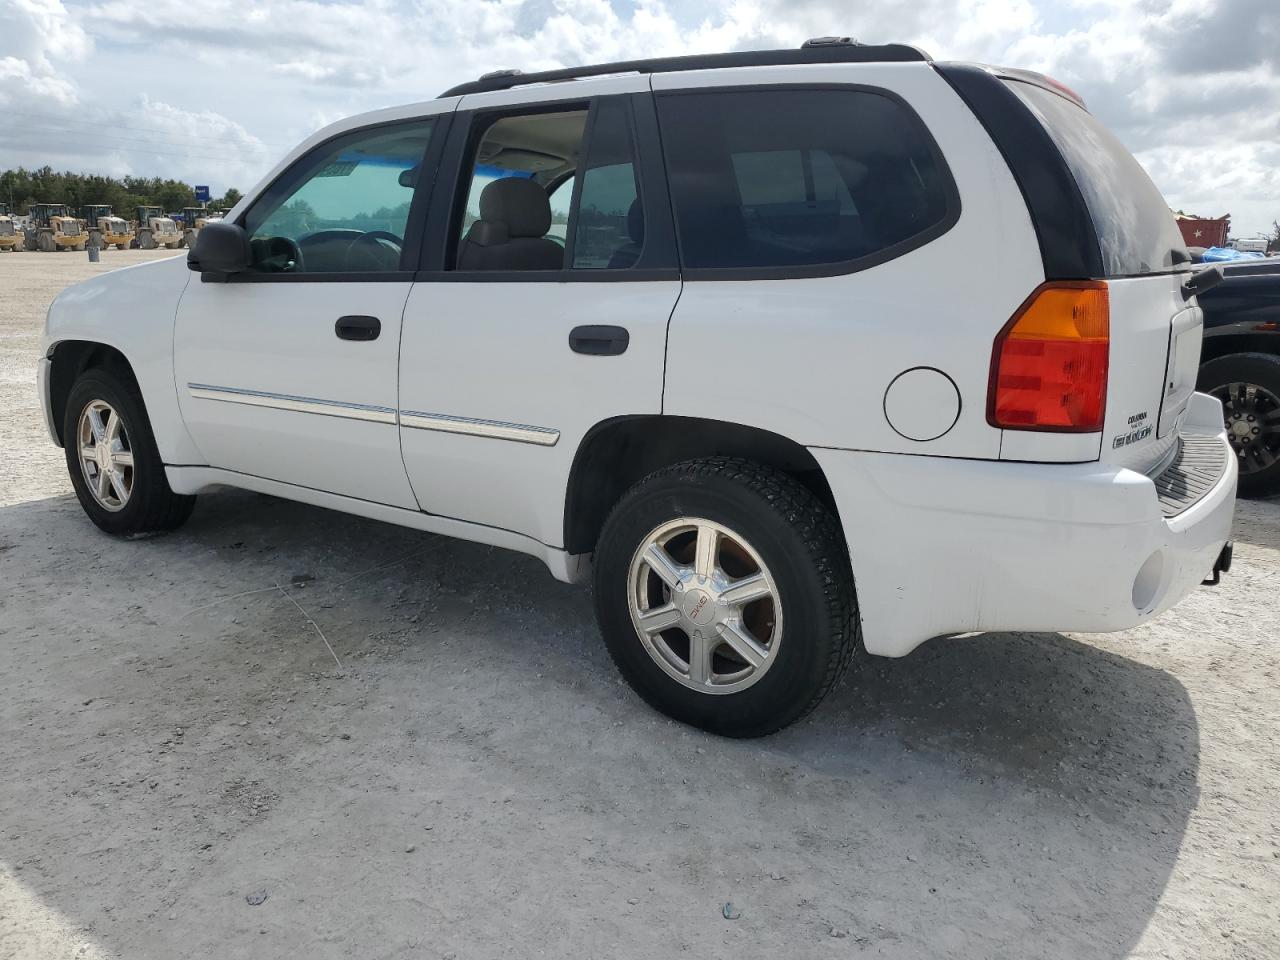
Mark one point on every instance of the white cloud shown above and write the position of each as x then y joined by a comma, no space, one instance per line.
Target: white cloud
1189,85
39,45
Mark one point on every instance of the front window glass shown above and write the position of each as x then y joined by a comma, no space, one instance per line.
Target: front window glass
344,207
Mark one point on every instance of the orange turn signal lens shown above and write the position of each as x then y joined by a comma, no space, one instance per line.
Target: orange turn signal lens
1049,363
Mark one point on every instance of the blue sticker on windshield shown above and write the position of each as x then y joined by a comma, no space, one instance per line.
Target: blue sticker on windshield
500,173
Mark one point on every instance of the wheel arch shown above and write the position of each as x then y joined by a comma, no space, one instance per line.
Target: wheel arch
68,359
1216,348
617,453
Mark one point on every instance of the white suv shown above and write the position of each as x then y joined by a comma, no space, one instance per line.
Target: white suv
791,351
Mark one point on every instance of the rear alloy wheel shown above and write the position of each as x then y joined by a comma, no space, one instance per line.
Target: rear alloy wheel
705,606
723,592
1249,387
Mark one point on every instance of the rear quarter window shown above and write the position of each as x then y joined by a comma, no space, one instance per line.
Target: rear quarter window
775,182
1136,231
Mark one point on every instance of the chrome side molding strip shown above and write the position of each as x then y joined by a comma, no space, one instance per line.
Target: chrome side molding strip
494,429
283,401
414,419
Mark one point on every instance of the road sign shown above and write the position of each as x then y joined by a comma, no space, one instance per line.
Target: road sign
202,194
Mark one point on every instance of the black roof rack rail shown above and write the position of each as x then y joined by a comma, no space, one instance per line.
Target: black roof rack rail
825,50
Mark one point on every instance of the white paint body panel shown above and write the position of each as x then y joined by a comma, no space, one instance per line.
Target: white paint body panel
500,351
812,358
952,546
278,338
563,566
132,309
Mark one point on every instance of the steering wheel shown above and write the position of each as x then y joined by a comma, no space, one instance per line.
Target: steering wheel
277,255
376,253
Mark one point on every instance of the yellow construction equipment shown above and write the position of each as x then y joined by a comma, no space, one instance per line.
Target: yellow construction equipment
193,221
10,236
105,228
153,229
51,227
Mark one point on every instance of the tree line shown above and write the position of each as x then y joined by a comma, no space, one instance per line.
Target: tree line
21,187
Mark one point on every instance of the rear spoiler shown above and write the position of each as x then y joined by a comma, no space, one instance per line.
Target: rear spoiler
1041,81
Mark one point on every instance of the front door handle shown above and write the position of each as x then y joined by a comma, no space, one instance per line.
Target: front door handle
599,341
358,328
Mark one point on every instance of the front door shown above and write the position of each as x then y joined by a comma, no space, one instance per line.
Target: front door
288,371
546,311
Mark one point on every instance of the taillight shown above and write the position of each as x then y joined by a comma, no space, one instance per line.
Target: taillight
1049,364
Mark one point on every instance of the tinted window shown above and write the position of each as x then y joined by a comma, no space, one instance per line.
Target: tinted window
1136,231
610,227
797,178
576,194
343,207
520,225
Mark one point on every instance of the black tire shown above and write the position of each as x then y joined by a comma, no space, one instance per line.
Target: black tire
1260,462
152,506
800,542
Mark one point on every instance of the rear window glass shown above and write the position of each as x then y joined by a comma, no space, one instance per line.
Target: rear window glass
1136,230
800,178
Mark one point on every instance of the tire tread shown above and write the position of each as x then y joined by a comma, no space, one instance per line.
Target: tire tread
824,547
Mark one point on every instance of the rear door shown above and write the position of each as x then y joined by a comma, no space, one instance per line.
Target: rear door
543,307
1155,335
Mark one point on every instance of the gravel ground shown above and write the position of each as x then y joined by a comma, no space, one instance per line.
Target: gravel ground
474,781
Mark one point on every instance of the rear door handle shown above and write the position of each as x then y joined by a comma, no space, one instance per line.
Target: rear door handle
358,328
599,341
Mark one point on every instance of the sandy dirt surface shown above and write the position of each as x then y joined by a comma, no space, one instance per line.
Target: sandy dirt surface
473,779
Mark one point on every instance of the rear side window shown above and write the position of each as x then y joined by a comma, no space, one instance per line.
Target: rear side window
1136,231
822,180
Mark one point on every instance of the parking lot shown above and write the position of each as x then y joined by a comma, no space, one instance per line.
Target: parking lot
288,732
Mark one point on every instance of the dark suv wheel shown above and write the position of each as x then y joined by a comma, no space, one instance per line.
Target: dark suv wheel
1248,384
112,458
723,591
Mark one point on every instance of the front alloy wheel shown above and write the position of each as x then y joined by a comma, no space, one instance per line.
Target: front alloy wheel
112,457
106,456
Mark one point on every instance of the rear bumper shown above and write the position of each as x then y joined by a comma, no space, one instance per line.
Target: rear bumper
941,546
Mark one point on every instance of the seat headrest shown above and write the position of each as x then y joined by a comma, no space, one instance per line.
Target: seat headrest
486,234
520,204
635,221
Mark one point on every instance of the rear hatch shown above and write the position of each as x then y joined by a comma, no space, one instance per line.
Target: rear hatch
1155,333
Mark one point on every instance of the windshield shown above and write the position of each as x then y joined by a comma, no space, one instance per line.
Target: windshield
1136,230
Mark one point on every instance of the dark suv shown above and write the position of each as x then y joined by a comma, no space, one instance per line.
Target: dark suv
1240,365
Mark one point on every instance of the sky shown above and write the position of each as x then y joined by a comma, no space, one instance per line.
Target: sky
216,91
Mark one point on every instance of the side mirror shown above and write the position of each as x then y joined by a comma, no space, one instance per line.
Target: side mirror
222,248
